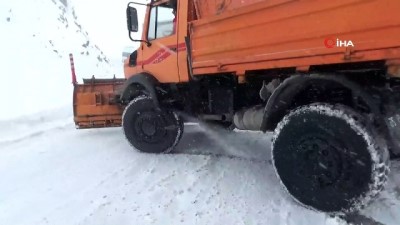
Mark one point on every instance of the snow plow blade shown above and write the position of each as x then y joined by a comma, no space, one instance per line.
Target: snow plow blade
95,103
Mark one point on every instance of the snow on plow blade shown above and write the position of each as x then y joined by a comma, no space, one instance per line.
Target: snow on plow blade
96,103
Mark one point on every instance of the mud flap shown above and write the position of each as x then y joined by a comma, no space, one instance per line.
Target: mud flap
96,103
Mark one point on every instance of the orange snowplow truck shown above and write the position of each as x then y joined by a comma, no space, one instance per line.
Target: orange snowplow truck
322,75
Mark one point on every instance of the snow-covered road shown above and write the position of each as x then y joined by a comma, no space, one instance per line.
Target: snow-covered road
59,175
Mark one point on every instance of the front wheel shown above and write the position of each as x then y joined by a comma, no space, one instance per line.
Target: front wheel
150,129
330,158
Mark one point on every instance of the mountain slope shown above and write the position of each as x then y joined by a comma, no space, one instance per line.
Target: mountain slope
37,37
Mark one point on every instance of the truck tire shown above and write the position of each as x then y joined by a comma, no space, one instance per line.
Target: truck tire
149,129
330,158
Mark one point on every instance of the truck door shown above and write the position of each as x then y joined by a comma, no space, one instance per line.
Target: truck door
160,58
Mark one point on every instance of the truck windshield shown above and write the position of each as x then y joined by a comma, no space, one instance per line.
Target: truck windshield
161,22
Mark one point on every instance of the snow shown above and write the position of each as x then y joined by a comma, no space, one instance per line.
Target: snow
51,173
67,176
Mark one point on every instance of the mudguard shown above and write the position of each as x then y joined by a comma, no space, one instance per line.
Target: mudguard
144,80
281,99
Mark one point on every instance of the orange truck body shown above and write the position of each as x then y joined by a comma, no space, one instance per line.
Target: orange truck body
238,36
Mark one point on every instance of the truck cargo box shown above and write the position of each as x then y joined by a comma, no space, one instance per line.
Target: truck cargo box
210,8
239,35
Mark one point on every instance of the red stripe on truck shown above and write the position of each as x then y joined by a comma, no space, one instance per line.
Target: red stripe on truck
162,54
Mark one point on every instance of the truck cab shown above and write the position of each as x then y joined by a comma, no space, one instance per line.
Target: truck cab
162,51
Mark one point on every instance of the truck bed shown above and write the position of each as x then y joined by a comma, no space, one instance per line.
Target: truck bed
239,35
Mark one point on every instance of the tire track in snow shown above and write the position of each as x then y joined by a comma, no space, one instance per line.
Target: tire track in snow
252,146
358,219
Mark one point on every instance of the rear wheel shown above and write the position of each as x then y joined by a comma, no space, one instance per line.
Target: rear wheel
150,129
330,158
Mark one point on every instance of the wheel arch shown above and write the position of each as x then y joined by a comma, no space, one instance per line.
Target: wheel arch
291,93
137,84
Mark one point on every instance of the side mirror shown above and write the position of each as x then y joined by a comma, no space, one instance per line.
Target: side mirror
132,19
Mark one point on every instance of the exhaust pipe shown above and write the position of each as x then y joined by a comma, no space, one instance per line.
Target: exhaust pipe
249,119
